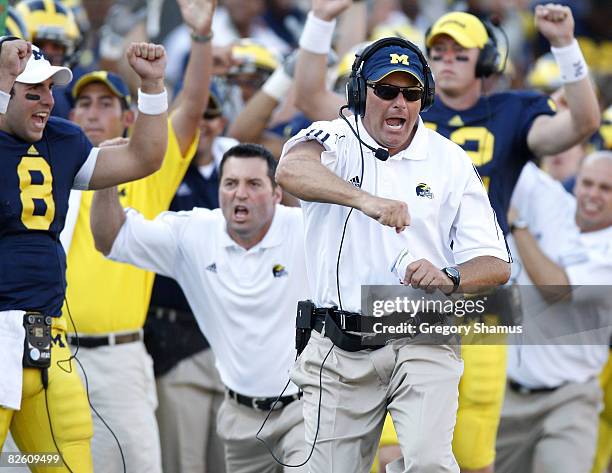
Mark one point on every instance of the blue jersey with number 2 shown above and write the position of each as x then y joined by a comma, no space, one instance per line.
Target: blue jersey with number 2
493,132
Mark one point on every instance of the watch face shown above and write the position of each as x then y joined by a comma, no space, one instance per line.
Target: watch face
453,273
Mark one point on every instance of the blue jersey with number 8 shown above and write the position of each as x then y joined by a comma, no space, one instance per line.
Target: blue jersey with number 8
35,182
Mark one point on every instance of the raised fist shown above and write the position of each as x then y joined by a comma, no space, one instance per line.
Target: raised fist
198,14
329,9
14,55
148,61
556,23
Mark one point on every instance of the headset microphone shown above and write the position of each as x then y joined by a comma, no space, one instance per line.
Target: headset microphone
379,153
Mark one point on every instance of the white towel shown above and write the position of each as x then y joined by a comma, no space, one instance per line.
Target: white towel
12,337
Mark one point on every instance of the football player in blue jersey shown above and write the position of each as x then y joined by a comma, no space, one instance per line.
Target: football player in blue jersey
43,157
500,132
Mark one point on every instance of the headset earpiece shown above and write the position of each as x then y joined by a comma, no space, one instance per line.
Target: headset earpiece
356,87
489,58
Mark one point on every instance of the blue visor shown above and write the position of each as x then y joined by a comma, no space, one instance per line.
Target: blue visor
391,59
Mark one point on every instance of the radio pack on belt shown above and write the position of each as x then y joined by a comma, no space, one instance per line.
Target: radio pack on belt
37,350
303,324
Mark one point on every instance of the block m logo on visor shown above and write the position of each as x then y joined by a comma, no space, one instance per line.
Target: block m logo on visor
399,58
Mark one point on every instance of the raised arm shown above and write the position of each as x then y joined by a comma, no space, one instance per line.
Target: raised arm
106,218
553,134
301,173
540,268
130,238
250,125
197,14
145,152
312,96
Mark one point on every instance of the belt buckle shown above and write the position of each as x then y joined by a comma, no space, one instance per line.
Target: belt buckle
255,404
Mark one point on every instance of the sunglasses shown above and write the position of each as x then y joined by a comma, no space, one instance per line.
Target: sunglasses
389,92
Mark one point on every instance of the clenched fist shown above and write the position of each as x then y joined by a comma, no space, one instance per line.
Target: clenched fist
556,23
148,61
392,213
329,9
14,56
422,274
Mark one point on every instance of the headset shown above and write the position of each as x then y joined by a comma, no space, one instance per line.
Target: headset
489,59
356,87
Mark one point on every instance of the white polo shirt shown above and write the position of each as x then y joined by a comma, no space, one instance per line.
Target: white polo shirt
587,259
451,218
244,301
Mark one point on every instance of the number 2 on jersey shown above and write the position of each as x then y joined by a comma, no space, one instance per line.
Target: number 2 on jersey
31,193
483,140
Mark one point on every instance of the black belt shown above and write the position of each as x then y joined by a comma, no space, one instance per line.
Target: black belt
520,389
105,340
337,322
262,403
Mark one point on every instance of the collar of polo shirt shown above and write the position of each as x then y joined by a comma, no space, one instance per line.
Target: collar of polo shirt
416,151
272,238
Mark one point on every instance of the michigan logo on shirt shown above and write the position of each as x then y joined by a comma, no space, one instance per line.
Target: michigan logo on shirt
423,190
278,271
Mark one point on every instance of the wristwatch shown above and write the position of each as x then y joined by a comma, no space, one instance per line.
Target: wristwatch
452,272
518,224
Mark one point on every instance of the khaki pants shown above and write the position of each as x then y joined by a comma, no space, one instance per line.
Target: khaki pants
417,384
190,395
552,432
284,433
122,390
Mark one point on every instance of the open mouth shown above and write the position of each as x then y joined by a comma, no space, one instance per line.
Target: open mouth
40,119
590,208
240,213
395,123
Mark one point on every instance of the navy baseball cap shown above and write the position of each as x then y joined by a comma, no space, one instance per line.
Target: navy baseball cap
393,58
115,83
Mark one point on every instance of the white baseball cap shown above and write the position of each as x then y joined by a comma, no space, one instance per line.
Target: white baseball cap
39,69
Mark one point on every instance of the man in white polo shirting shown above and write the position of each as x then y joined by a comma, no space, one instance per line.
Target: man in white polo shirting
415,181
242,270
551,410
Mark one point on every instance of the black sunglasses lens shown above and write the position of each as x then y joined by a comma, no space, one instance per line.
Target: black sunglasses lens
389,92
412,95
386,91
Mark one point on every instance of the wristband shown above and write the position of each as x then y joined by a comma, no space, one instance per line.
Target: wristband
152,104
201,38
278,84
571,62
317,35
4,101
